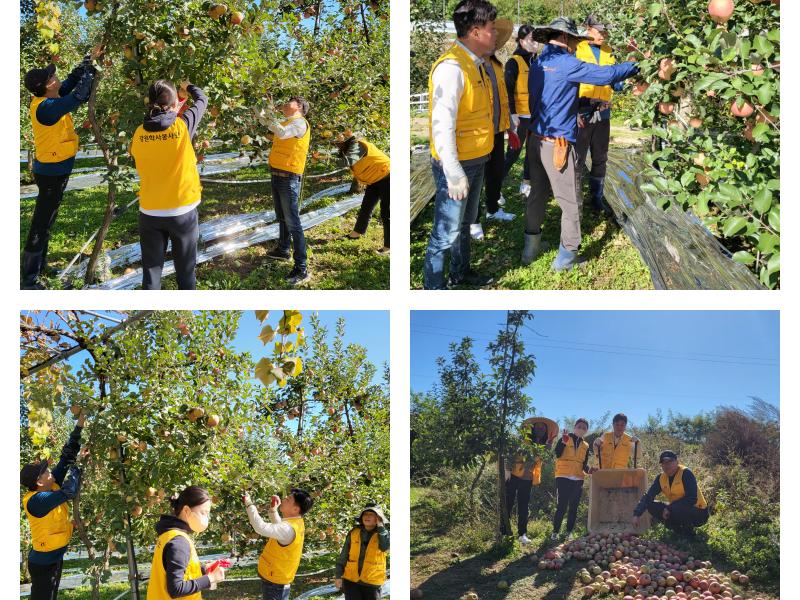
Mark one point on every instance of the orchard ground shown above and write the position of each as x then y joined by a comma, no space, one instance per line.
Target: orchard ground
614,261
446,564
335,260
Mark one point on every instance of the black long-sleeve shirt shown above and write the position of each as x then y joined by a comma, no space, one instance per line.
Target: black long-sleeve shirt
366,536
175,559
159,121
689,488
560,445
510,75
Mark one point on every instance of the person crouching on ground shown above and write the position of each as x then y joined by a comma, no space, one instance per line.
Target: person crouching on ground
361,567
170,189
176,571
277,565
370,167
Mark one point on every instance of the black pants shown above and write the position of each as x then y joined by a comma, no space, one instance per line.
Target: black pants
274,591
493,175
375,192
520,490
594,138
569,496
51,193
359,591
45,580
154,234
681,516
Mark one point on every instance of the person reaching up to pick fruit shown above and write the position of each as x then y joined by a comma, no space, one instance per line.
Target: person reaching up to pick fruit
361,566
170,189
46,505
286,531
687,507
370,167
572,466
176,571
287,161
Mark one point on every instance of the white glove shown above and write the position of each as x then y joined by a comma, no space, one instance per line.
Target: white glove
508,474
598,442
514,122
459,189
634,439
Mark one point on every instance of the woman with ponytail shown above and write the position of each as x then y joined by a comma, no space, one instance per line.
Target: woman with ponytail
170,189
176,571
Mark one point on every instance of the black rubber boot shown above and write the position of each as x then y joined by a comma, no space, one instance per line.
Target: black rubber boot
31,267
596,195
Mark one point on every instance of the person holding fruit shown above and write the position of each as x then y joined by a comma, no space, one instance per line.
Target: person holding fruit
176,571
287,161
170,190
56,145
361,566
594,110
277,565
687,508
554,80
370,167
616,449
461,140
526,470
46,506
572,466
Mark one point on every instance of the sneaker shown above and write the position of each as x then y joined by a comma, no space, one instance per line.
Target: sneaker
278,254
501,215
571,536
471,278
523,539
554,536
383,251
476,231
525,188
298,276
501,201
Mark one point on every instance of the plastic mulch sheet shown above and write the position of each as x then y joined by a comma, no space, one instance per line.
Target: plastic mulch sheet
681,253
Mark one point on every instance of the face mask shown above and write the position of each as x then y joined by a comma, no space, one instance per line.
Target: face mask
528,45
197,523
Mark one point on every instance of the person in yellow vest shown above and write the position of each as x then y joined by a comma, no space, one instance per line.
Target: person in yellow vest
169,189
516,77
286,531
594,110
572,466
46,505
370,166
176,571
287,161
616,449
461,140
502,122
56,145
526,471
686,508
361,566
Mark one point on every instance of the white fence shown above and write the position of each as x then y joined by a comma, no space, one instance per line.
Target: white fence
419,102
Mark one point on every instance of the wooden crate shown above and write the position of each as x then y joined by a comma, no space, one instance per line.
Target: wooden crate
613,494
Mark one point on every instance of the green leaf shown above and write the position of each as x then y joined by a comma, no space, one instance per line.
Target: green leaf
762,201
744,257
649,188
734,226
765,93
707,81
763,46
654,9
774,218
767,242
774,263
731,192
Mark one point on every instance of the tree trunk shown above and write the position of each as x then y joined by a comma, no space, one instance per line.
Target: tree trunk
364,21
474,485
504,522
317,17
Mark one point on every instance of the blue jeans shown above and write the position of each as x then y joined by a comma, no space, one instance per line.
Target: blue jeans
286,195
512,155
451,221
274,591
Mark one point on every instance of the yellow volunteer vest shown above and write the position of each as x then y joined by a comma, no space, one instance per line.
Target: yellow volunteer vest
167,167
521,102
616,458
290,154
505,118
373,572
53,143
585,53
372,167
51,531
518,469
278,564
676,492
157,588
474,125
571,462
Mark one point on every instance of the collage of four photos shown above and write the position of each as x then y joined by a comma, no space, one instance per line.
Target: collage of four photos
542,449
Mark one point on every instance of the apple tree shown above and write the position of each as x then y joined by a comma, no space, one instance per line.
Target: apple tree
709,94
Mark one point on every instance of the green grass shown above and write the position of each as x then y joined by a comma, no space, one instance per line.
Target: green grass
448,563
335,261
614,263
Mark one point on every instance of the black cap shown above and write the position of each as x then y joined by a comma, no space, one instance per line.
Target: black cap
30,473
667,455
36,79
593,21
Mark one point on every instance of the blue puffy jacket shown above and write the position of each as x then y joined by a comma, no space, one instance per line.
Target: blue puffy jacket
553,85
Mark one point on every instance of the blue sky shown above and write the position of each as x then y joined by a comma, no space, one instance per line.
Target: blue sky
628,361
